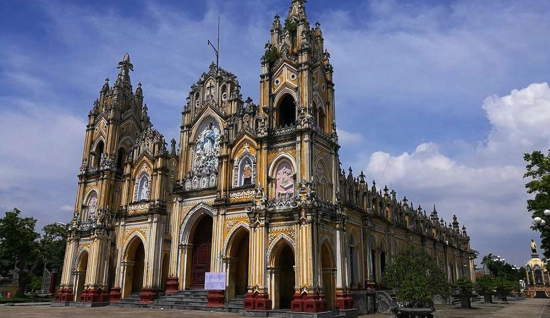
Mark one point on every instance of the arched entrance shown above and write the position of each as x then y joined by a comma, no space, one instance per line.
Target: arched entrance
327,261
135,264
202,245
81,274
285,280
353,262
238,264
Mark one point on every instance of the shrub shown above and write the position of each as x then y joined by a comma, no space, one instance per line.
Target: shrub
416,277
271,55
484,285
464,285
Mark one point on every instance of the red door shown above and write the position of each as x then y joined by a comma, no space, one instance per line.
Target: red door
202,244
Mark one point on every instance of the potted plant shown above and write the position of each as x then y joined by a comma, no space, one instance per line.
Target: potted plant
416,278
503,288
484,286
464,288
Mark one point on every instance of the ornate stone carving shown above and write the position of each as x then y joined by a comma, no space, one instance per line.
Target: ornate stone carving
137,209
248,194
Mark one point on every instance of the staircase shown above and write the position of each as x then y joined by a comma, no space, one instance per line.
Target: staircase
183,299
235,305
131,301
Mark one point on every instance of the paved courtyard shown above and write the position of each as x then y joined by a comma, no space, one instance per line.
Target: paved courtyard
526,308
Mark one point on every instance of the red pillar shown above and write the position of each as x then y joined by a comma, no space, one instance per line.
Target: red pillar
172,285
344,300
216,298
297,304
248,303
147,295
115,295
65,294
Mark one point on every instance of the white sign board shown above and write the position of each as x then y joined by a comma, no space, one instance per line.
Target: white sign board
214,281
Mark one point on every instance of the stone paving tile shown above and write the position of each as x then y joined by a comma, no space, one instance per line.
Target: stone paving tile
103,312
526,308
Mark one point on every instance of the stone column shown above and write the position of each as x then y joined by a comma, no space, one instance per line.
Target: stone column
229,269
66,289
127,268
258,293
153,261
343,298
172,281
95,275
184,251
116,291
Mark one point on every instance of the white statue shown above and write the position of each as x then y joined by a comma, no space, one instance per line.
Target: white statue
144,191
534,247
92,206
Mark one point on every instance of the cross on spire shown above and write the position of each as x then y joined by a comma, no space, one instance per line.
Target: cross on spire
209,88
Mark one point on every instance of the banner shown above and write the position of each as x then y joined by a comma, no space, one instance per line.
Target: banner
214,281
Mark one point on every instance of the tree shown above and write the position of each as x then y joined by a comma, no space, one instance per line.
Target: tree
52,246
18,245
538,170
498,267
416,277
51,252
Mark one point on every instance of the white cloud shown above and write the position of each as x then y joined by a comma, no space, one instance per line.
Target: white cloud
349,138
488,193
39,159
520,121
428,59
67,208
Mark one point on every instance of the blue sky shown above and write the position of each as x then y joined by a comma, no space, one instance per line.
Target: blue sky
437,99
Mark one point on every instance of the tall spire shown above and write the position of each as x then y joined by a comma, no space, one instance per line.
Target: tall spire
125,67
297,9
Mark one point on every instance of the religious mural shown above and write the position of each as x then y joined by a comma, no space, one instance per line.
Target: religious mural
205,157
284,175
91,208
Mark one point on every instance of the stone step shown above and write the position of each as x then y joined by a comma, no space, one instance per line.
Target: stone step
183,299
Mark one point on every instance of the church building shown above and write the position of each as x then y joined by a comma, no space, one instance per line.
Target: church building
254,190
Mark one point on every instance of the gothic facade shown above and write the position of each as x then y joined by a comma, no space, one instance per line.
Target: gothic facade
254,190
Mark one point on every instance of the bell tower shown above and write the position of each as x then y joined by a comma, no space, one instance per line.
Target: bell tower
298,167
297,100
117,117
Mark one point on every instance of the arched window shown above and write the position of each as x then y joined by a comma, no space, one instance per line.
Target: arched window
224,94
538,275
383,260
322,119
142,191
287,111
121,158
315,114
90,208
197,101
284,181
98,153
353,261
322,189
321,175
373,263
